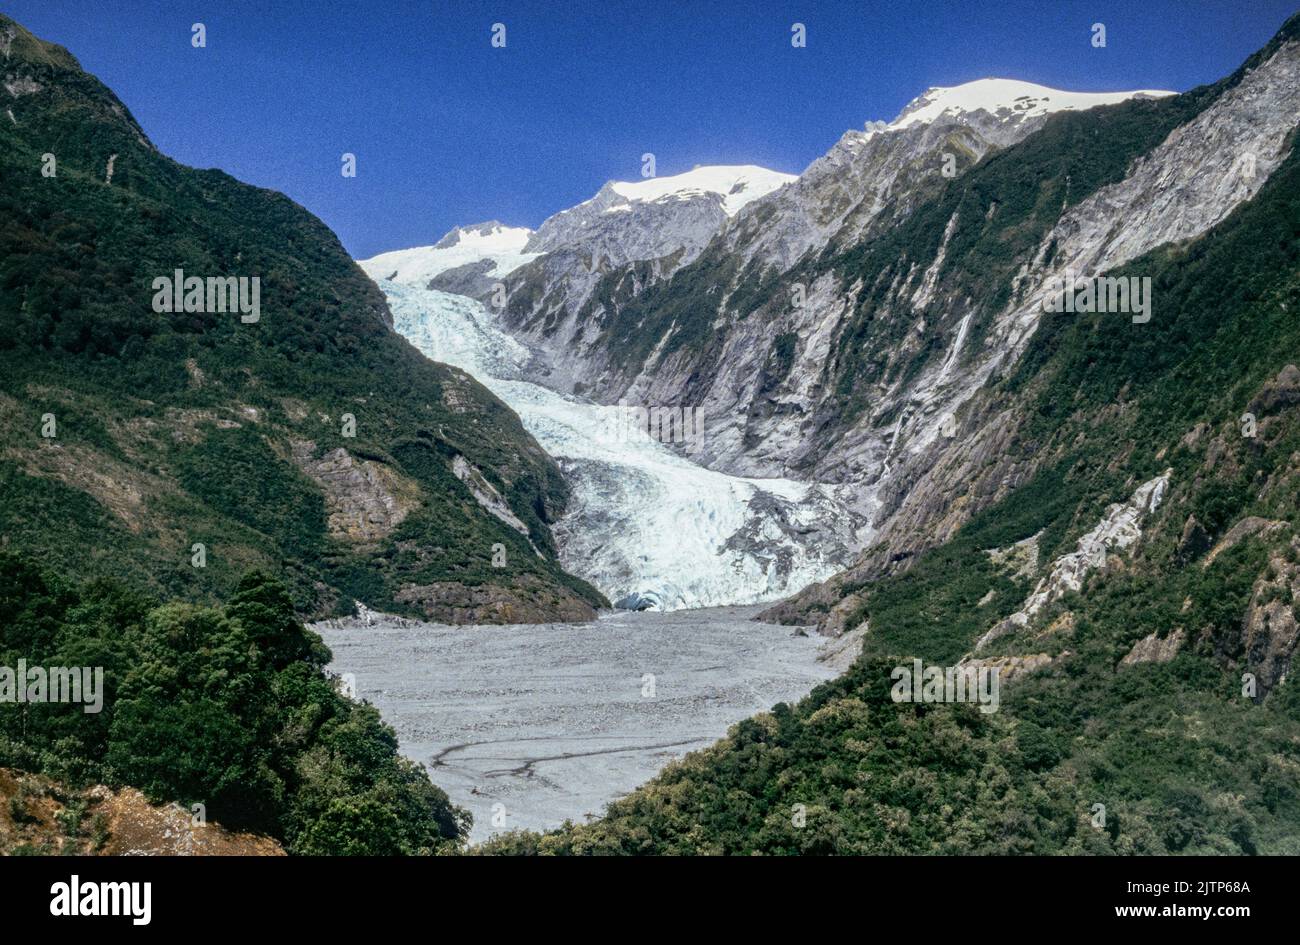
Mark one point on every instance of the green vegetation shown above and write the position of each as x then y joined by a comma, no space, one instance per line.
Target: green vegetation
176,428
225,707
1184,756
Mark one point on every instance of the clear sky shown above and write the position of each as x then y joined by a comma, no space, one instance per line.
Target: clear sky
449,130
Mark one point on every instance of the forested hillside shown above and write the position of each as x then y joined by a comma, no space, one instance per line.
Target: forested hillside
224,707
312,441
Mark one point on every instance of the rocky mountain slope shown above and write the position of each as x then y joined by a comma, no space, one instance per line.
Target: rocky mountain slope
954,433
39,816
180,445
543,282
614,330
1109,520
853,327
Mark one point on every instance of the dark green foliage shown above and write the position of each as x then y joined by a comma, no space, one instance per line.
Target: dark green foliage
228,708
237,470
199,414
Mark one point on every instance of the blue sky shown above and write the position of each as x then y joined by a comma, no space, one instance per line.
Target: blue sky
449,130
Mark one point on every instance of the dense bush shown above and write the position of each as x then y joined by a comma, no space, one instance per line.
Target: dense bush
225,707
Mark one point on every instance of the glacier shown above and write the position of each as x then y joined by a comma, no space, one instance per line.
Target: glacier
646,525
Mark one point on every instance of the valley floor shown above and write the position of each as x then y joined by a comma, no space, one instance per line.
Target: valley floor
529,725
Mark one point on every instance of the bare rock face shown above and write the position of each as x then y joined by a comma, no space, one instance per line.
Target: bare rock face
21,85
1010,668
1019,559
528,601
1270,630
642,230
1154,649
1063,626
1119,528
365,500
486,495
34,819
838,618
840,654
1283,391
1194,541
473,279
1248,526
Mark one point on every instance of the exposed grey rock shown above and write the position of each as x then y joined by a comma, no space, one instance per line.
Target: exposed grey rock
365,500
1010,668
1270,629
486,494
841,653
1239,532
18,85
638,230
1118,529
1194,541
1019,559
1283,391
473,279
1154,649
456,235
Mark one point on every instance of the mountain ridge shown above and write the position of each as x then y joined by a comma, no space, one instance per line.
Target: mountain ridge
194,428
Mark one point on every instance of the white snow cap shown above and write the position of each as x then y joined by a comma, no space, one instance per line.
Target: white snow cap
503,245
1008,97
487,237
737,184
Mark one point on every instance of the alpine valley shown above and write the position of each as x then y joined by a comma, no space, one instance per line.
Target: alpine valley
877,424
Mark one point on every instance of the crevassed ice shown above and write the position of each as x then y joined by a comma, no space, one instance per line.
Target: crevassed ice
643,520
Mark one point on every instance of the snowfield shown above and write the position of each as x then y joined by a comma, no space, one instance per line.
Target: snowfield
645,525
1007,97
737,185
501,246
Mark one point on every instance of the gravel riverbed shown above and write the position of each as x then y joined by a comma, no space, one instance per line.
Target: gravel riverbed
529,725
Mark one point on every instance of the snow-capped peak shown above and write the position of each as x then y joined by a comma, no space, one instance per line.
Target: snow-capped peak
736,184
490,237
1006,98
502,247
